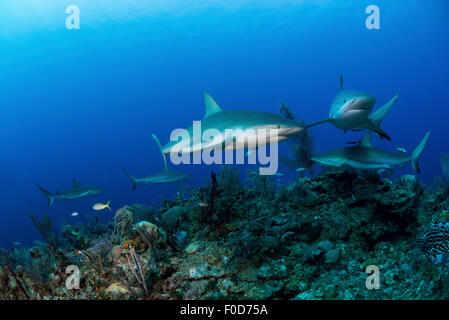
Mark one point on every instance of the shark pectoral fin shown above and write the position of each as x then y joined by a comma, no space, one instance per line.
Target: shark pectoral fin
370,125
318,122
377,116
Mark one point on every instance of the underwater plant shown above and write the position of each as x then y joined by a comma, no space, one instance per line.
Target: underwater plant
45,228
207,205
136,269
218,200
10,269
99,256
301,144
123,220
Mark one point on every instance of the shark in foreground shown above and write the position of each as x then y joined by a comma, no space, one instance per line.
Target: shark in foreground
233,126
365,157
166,176
76,192
351,110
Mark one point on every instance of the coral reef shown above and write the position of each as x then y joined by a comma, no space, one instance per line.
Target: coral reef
311,239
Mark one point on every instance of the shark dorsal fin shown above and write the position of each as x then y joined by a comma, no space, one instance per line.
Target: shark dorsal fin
341,82
366,140
75,183
160,148
211,105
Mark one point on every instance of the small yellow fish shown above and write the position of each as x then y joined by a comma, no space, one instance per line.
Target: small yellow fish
101,206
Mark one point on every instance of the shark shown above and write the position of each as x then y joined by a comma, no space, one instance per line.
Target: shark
227,123
166,176
351,110
366,157
76,192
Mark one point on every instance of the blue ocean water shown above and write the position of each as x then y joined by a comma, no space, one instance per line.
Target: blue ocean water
84,103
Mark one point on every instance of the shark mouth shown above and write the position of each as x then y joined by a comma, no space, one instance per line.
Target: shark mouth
358,104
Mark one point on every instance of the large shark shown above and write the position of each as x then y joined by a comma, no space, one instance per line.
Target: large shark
166,176
351,110
275,129
76,192
365,157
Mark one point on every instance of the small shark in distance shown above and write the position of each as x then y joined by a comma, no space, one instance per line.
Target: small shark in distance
166,176
76,192
225,121
365,157
351,110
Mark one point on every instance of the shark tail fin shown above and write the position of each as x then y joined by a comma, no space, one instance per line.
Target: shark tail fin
318,122
160,148
49,196
414,158
133,180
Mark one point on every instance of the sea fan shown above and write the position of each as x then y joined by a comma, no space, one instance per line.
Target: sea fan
302,143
